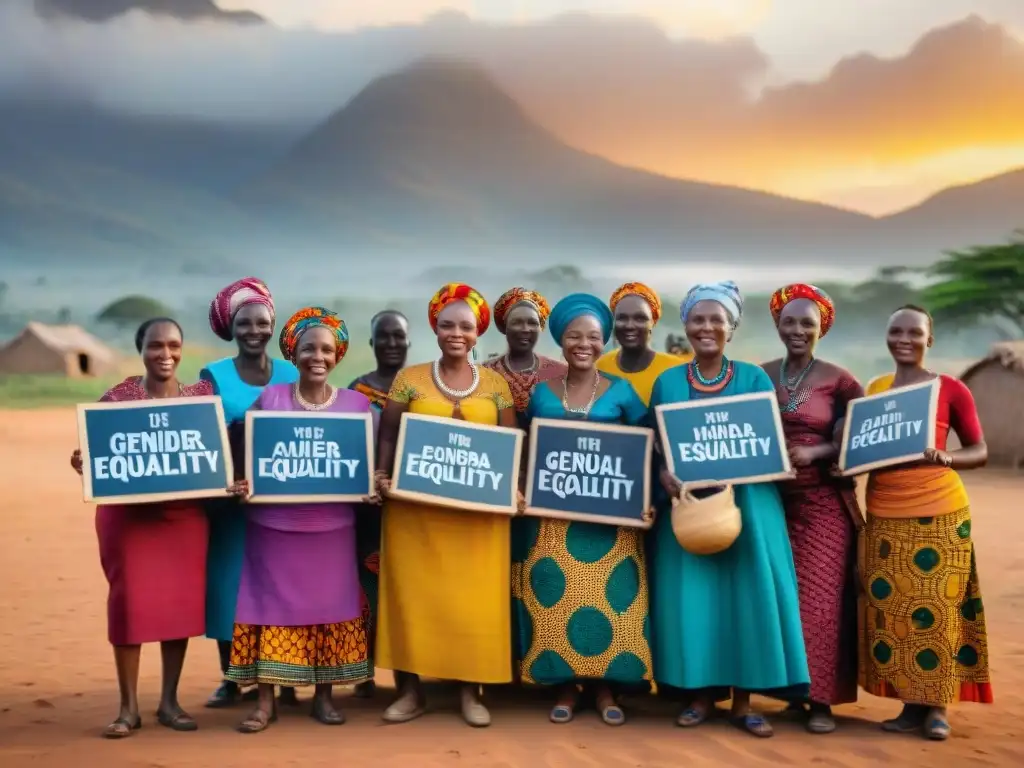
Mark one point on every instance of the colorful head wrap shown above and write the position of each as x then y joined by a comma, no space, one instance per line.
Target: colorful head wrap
726,293
311,317
789,293
453,292
512,298
227,302
641,290
574,305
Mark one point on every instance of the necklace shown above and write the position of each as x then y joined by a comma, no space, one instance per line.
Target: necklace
454,394
711,382
585,410
797,396
508,365
308,406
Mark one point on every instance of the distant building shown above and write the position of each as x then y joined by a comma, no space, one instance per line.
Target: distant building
62,350
997,383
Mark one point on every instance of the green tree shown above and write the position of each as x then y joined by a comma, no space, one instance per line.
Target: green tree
131,310
984,284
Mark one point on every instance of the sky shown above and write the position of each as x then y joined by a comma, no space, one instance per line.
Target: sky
869,104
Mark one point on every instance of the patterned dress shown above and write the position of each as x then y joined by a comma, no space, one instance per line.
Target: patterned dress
521,383
445,607
580,589
820,514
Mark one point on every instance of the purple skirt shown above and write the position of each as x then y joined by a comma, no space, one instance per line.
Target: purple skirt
298,578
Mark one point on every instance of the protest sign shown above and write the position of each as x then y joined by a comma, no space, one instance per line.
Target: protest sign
144,451
713,441
457,464
889,428
297,457
581,470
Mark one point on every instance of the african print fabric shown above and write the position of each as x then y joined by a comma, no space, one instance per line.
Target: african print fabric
316,655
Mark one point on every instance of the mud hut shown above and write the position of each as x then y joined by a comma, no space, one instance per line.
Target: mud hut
62,350
997,383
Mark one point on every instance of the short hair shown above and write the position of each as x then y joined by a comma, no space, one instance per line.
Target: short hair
140,334
382,314
920,310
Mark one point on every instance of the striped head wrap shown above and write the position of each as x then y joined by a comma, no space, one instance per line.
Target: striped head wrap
789,293
512,298
227,302
641,290
574,305
311,317
726,293
453,292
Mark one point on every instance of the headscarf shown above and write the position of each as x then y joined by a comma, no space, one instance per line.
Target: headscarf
641,290
574,305
726,293
311,317
453,292
789,293
227,302
512,298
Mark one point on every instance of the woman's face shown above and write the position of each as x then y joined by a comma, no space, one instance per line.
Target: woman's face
708,329
252,326
800,326
908,337
583,343
390,341
522,328
456,330
633,322
161,351
316,354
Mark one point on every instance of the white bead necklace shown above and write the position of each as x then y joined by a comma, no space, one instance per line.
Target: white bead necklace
585,410
308,406
454,394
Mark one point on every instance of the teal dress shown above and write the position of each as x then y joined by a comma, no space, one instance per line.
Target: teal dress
580,589
227,520
731,619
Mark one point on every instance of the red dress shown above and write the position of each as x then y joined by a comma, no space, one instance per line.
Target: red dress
154,556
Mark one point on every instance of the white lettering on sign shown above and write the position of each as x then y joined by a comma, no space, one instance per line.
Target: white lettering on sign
453,464
585,472
719,439
887,428
309,456
156,453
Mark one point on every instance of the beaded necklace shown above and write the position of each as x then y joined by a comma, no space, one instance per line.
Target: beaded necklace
308,406
716,384
797,396
584,411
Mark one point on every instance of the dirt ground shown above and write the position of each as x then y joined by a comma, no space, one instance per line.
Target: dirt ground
52,607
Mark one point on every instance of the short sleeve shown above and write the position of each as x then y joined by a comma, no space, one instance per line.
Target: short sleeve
760,381
502,393
847,389
402,390
963,414
202,388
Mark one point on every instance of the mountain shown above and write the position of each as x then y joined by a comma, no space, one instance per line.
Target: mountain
104,10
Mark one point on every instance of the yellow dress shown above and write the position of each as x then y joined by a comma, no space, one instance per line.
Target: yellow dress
642,381
445,595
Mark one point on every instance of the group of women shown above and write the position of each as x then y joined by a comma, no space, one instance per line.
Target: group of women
321,594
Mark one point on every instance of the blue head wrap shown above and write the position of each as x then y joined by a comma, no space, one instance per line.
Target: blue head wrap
574,305
726,293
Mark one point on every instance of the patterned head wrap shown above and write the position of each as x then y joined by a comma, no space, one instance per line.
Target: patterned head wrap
726,293
789,293
512,298
574,305
641,290
227,302
311,317
453,292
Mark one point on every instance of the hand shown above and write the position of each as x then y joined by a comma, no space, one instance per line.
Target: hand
76,461
835,471
383,483
520,503
801,455
240,488
648,516
374,499
672,485
940,458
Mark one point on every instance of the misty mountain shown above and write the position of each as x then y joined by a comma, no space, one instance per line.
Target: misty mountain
104,10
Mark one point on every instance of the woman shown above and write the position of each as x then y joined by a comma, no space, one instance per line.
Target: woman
731,619
444,585
637,310
603,564
242,312
924,639
520,315
678,346
389,339
153,555
821,511
299,619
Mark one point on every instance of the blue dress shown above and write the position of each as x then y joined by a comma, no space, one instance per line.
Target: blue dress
731,619
580,589
227,520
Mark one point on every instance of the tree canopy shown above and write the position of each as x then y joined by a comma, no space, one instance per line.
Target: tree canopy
132,309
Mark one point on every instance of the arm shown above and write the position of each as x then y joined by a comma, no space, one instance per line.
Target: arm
399,397
963,419
109,396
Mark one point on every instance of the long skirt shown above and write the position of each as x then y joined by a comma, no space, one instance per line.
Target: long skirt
224,567
922,628
580,602
154,558
368,525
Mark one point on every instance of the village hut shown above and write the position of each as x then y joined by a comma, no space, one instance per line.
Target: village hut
62,350
997,383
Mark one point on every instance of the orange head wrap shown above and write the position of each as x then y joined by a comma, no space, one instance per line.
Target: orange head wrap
513,298
453,292
784,295
641,290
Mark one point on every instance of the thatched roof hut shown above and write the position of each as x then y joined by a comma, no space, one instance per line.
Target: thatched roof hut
63,350
997,383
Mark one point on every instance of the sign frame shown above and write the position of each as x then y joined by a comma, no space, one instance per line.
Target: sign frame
400,494
933,407
626,522
152,498
250,468
669,455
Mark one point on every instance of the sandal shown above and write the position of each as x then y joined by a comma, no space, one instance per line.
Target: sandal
909,720
122,728
179,721
613,715
324,712
821,722
257,721
226,695
693,715
561,713
754,724
937,726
